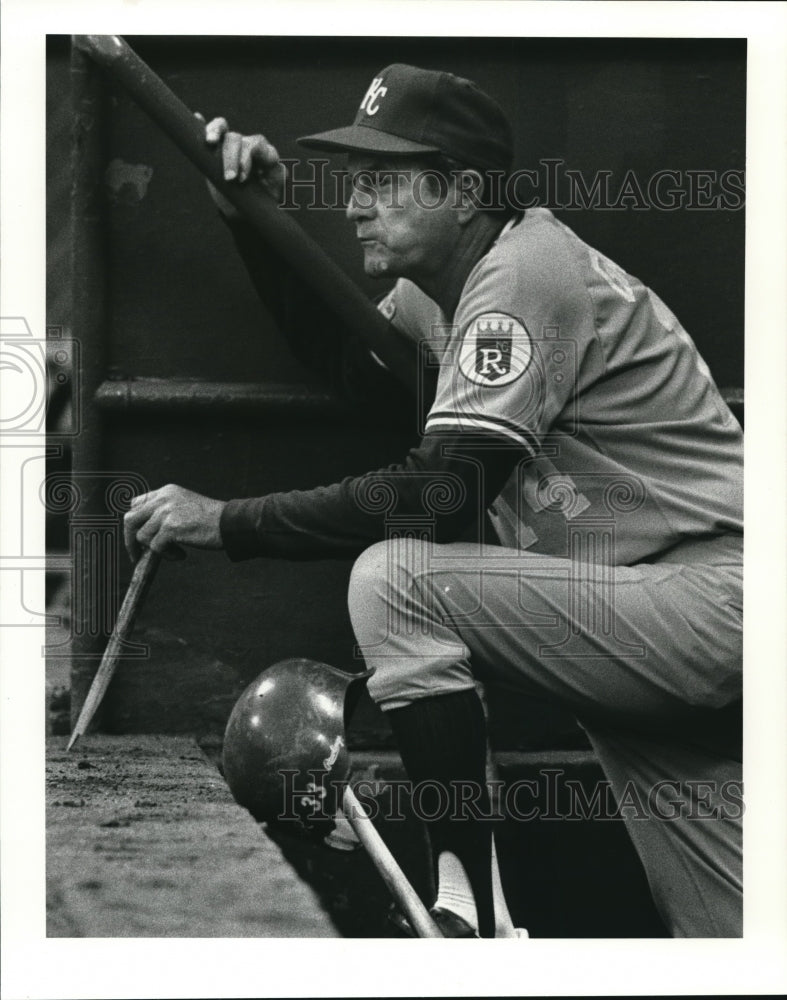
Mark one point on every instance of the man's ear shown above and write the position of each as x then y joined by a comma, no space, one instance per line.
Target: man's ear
468,198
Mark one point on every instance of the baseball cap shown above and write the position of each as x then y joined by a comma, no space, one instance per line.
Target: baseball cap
411,110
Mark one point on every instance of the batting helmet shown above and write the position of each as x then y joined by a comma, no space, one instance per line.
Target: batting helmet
285,747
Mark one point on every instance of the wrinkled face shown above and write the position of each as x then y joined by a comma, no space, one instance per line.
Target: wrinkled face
405,217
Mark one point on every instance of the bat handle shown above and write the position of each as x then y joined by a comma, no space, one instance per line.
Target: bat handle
385,863
144,571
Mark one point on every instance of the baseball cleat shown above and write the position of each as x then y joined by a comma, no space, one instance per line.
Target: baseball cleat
451,924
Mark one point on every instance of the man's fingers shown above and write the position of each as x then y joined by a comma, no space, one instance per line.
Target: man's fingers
245,159
215,129
148,529
130,525
139,499
141,509
134,551
230,152
265,153
243,154
167,519
144,527
268,166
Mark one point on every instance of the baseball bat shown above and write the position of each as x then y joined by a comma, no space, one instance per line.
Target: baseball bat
385,863
144,572
273,224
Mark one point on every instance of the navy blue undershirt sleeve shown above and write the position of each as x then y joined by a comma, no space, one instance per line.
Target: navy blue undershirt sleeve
443,487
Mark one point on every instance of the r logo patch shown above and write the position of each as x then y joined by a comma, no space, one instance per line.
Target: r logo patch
496,350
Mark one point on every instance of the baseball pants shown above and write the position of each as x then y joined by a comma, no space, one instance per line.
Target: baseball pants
647,657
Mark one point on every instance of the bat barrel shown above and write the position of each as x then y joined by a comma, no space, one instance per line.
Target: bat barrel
385,863
144,572
275,226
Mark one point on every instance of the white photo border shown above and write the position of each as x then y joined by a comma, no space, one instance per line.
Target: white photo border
34,966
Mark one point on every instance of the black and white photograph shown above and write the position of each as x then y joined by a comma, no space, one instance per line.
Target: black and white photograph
373,499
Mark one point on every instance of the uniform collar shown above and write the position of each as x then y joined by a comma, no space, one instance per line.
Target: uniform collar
479,237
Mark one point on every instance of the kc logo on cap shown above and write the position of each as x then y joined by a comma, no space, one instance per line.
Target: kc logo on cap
370,103
408,111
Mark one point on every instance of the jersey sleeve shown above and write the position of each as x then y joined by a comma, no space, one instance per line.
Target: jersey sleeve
521,335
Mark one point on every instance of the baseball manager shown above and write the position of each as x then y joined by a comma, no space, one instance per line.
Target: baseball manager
581,480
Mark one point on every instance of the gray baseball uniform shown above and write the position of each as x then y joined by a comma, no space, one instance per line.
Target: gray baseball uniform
617,587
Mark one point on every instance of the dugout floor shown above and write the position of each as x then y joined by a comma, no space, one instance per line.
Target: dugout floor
144,840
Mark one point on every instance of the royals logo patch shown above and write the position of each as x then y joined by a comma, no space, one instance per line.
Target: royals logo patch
496,350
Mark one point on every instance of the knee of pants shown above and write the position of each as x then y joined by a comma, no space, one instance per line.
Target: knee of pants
367,585
381,585
411,653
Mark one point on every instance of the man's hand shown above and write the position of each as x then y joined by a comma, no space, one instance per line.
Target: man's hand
172,516
244,156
